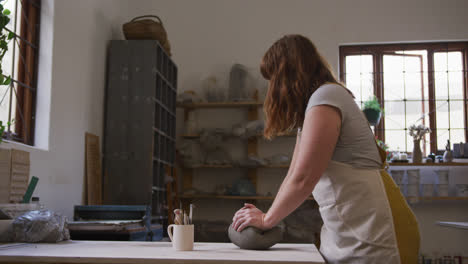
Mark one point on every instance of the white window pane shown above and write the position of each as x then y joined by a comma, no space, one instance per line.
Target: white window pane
455,85
442,137
367,86
457,136
353,83
457,117
396,140
416,113
394,115
394,85
455,61
13,106
414,86
359,64
7,62
440,62
441,85
359,76
442,120
412,64
5,103
448,75
10,5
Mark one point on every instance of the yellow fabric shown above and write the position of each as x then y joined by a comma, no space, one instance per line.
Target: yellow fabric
406,225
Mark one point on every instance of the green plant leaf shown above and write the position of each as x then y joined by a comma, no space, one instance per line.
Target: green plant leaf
372,103
6,12
7,81
11,35
3,44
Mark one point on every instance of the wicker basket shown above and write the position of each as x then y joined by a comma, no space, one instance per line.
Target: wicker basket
139,28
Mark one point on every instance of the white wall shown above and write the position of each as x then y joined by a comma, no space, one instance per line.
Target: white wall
74,37
209,35
206,36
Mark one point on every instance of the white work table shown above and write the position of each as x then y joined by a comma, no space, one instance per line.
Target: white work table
91,252
459,225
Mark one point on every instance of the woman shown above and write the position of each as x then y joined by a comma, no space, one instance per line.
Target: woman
366,219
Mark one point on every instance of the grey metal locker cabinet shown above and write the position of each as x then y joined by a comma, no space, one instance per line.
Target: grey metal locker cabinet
139,134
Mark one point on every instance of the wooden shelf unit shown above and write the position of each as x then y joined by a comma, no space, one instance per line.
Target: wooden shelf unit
252,108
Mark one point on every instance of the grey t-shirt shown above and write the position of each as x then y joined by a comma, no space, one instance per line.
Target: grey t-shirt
356,143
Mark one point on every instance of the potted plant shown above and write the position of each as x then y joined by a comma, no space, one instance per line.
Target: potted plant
5,37
385,147
418,132
372,111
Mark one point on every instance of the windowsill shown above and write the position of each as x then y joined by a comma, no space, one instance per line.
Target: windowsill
455,163
7,144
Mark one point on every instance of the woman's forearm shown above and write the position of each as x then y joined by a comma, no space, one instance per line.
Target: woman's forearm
293,162
291,195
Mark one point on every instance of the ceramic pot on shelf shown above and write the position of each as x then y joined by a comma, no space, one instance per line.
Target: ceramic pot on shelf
373,116
448,154
417,154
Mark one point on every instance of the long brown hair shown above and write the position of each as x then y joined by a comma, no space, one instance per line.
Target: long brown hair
295,70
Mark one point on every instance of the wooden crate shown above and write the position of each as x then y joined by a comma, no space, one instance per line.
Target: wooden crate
14,175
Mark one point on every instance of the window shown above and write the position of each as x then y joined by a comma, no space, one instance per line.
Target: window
17,100
423,83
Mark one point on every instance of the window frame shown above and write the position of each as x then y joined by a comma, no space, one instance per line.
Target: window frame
378,50
26,45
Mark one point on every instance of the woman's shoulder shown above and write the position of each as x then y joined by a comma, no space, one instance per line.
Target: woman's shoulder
332,89
330,93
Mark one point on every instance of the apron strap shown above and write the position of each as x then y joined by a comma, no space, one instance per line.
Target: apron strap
382,152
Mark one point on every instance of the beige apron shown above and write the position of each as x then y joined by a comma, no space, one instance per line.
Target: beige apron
358,225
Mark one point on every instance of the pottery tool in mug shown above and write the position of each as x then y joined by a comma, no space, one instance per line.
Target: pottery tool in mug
186,219
191,214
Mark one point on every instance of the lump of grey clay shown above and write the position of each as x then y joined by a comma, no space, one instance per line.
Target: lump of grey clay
254,238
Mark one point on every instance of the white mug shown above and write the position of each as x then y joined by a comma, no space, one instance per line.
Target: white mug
182,239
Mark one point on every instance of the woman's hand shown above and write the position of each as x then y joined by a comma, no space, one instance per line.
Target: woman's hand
249,215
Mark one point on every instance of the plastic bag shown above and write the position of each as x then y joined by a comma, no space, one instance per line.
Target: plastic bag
39,226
